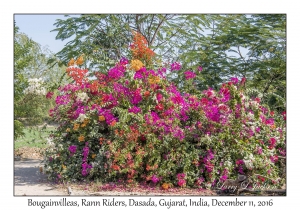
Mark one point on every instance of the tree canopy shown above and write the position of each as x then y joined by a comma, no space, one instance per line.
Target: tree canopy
250,46
240,45
32,77
103,39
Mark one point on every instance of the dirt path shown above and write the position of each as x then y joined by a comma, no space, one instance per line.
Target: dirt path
30,182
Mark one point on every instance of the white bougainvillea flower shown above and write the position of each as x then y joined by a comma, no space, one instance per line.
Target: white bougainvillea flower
35,87
82,97
81,117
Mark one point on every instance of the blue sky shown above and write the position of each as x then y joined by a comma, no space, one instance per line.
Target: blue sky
38,28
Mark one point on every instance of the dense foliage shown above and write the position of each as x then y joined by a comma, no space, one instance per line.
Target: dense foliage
133,125
251,46
236,45
32,76
21,60
104,38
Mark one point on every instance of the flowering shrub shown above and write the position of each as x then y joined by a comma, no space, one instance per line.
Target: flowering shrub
35,87
33,104
131,124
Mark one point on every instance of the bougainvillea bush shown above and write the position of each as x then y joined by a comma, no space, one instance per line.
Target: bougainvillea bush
132,125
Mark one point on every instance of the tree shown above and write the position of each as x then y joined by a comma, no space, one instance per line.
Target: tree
251,46
21,60
30,63
104,39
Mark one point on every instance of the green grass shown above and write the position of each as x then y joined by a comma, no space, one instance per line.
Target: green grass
34,137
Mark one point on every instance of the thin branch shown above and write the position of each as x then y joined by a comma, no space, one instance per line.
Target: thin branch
150,25
241,54
137,23
238,47
156,30
213,29
159,44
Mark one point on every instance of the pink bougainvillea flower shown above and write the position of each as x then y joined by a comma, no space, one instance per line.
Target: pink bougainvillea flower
180,176
181,182
270,121
257,100
72,149
223,108
175,66
199,181
123,61
154,179
85,168
116,72
243,81
274,158
159,97
159,107
259,150
209,93
234,80
284,115
134,110
239,162
209,167
189,75
272,142
223,178
49,95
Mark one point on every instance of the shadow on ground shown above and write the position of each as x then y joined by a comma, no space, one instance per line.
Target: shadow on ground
29,181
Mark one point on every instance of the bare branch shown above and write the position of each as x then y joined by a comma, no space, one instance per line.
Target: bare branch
156,30
150,25
137,23
238,47
159,44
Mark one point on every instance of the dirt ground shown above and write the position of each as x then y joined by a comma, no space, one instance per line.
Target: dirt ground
28,181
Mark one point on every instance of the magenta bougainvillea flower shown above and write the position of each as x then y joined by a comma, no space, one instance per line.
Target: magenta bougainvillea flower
175,66
181,182
85,168
134,110
49,95
73,149
154,179
234,80
180,176
189,75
